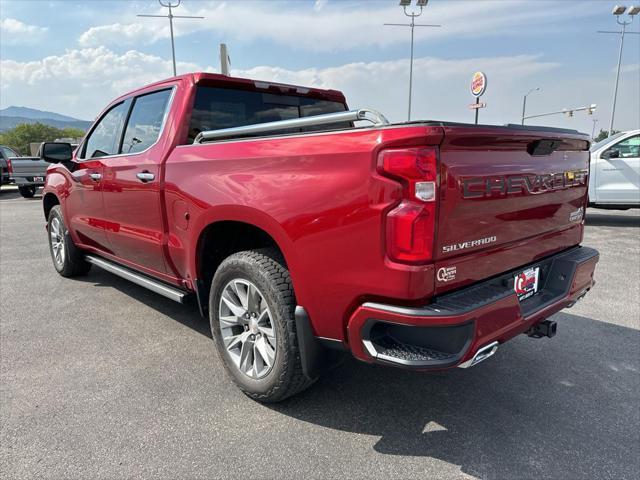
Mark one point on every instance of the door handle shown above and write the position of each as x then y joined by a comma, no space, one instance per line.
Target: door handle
95,176
145,176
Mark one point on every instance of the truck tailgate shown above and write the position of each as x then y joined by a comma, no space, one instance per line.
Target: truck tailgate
28,167
508,196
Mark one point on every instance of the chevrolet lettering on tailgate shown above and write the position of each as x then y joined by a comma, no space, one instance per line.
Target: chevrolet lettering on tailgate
478,187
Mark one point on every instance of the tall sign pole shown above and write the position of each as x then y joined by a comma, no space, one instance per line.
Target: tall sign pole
224,59
169,4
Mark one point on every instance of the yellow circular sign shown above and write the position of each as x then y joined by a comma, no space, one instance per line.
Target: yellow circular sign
478,84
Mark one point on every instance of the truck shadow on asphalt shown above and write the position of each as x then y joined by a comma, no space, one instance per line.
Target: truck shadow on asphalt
565,407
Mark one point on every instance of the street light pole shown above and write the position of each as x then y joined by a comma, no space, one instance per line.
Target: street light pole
524,102
413,26
618,11
404,4
168,4
615,90
593,130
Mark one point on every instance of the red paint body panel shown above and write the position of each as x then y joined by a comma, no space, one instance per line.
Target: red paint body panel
321,198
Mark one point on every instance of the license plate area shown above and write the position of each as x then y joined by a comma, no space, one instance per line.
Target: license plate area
526,283
38,179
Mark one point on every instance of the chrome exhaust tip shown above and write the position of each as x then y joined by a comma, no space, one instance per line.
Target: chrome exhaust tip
481,355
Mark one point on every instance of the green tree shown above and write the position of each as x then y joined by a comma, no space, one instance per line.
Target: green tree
22,135
603,134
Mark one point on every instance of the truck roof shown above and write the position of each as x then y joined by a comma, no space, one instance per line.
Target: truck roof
215,79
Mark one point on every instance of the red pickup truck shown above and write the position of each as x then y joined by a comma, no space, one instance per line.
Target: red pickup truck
298,230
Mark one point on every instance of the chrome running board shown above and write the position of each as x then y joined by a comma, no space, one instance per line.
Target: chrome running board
481,355
155,286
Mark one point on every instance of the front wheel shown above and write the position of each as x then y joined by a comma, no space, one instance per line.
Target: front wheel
27,191
251,310
67,258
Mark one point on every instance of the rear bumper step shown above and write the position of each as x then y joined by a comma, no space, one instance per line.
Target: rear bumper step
139,279
464,327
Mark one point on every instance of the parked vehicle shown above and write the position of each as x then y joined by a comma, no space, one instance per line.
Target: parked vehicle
28,173
615,172
422,245
5,164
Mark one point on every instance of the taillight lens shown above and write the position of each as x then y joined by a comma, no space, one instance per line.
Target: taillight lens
9,167
411,225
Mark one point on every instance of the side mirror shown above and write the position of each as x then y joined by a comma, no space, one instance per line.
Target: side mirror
612,153
55,152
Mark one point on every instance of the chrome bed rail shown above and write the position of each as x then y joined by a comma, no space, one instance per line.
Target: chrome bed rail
366,114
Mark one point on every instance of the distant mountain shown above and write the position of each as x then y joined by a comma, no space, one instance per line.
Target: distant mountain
13,116
27,112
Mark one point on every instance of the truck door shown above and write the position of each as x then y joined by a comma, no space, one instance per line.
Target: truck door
84,208
131,188
618,173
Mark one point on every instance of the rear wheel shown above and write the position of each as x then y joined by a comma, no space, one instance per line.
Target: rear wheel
27,191
67,258
251,307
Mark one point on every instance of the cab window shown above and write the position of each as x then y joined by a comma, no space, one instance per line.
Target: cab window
145,121
628,148
105,138
217,108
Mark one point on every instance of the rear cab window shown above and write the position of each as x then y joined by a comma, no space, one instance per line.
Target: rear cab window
145,121
7,152
216,108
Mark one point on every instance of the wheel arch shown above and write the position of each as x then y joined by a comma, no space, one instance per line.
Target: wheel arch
49,200
225,231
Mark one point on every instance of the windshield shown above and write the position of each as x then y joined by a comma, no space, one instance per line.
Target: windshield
217,108
602,143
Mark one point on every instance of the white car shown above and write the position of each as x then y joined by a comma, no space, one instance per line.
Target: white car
615,172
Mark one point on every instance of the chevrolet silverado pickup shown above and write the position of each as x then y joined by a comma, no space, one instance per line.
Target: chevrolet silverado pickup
300,227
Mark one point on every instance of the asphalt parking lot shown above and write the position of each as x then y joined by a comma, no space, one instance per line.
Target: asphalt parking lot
100,378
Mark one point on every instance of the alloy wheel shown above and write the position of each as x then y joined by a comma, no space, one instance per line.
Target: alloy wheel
247,328
57,241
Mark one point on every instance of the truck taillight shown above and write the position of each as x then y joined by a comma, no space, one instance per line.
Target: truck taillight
9,166
410,227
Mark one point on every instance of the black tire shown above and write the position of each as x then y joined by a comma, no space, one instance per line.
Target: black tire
266,270
71,262
27,191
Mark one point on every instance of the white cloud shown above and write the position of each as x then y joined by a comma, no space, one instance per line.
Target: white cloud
342,25
81,82
123,34
15,32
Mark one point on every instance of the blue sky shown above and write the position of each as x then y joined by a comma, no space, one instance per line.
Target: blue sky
89,52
